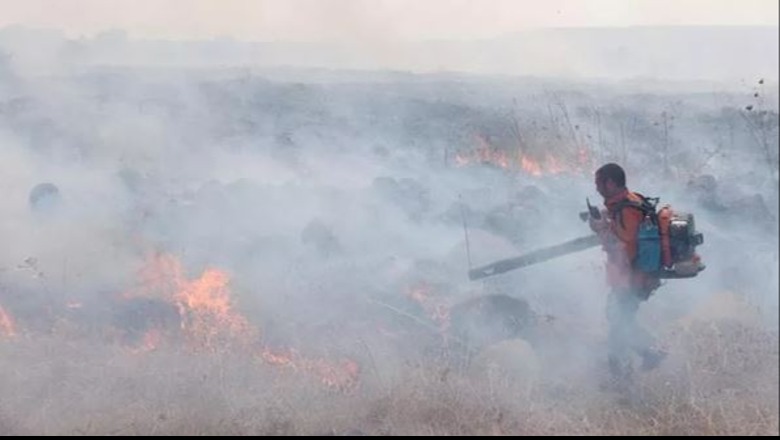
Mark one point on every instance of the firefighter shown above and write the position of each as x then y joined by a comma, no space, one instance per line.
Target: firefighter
617,228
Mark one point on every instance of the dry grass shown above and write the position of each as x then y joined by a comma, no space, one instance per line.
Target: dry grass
721,379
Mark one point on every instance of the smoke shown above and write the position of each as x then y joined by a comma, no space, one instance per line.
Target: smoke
346,213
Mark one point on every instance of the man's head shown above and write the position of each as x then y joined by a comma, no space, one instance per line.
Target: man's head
610,180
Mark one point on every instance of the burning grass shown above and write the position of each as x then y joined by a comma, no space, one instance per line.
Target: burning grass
56,387
512,158
721,379
6,324
210,371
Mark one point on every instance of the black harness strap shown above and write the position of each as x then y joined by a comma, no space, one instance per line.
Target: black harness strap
646,206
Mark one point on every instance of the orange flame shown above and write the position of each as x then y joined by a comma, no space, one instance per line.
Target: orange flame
342,374
206,312
150,342
551,165
484,153
461,159
207,317
6,324
209,321
437,311
554,166
278,358
161,277
530,166
583,157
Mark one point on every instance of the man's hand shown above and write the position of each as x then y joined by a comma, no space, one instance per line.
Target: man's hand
599,225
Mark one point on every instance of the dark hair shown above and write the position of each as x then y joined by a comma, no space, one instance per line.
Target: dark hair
613,172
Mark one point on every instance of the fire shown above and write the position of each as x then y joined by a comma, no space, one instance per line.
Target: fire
438,312
554,166
583,157
209,320
279,358
484,153
342,374
207,314
461,159
7,327
551,164
151,341
161,277
530,166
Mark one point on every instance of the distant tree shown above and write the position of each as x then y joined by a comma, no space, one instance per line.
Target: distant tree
763,125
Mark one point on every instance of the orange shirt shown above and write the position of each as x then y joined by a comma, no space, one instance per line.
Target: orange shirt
620,244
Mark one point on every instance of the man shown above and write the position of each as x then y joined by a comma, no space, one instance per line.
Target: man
617,227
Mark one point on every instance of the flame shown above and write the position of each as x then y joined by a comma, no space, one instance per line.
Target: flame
583,157
484,153
160,277
554,166
551,165
150,342
530,166
207,315
7,327
438,312
279,358
208,320
489,154
342,374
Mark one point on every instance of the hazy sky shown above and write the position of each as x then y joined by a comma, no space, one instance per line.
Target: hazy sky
341,20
